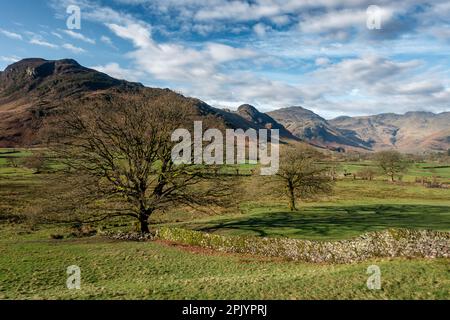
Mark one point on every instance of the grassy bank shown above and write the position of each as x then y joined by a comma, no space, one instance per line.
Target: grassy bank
34,267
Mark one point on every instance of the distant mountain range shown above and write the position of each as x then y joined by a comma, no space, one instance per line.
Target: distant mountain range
411,132
34,89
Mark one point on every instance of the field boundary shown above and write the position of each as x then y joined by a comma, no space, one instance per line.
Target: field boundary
379,244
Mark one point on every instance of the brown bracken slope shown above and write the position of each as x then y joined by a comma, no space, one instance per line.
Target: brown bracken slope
33,90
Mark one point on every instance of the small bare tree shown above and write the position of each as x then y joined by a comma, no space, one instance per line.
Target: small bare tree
12,162
391,163
301,176
123,151
37,161
366,174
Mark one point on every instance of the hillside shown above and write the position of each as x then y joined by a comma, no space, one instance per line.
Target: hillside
309,126
34,89
410,132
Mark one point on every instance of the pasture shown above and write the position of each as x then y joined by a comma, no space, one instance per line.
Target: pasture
33,265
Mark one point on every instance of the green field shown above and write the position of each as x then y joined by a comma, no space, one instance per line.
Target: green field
326,222
424,169
33,266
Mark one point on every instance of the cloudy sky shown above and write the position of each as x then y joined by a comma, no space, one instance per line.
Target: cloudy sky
319,54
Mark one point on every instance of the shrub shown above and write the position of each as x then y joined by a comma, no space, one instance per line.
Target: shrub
82,230
57,236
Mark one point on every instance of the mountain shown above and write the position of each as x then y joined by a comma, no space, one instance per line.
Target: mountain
32,90
35,89
263,120
311,127
410,132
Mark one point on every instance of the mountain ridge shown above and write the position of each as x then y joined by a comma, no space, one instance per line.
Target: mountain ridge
34,88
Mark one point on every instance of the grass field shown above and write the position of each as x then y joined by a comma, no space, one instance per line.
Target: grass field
425,169
33,266
326,222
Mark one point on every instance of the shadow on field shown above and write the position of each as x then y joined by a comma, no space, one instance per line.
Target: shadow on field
333,222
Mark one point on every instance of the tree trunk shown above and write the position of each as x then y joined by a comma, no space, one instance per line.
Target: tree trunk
144,226
143,220
291,198
292,204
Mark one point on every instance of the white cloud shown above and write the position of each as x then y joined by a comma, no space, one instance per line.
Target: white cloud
11,35
372,84
369,69
260,29
73,48
114,70
170,61
223,53
79,36
56,34
106,40
322,61
40,42
9,59
318,53
139,34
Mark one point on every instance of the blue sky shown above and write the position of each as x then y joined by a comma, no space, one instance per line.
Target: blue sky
269,53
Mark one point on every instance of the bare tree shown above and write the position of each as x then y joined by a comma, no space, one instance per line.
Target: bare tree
12,162
333,169
366,174
123,151
301,176
391,162
37,161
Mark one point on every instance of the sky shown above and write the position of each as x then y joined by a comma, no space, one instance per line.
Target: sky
335,57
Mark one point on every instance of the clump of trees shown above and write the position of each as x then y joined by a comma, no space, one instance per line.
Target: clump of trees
118,159
392,163
300,176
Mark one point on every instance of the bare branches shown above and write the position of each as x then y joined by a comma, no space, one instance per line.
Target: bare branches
125,150
391,163
301,176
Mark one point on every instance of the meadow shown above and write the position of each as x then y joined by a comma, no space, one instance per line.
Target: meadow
33,264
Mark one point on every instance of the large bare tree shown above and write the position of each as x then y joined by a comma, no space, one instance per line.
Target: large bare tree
120,152
391,162
301,176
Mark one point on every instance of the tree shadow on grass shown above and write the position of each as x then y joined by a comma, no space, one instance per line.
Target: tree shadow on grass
334,222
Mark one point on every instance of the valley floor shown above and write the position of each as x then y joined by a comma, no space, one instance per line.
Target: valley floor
34,267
